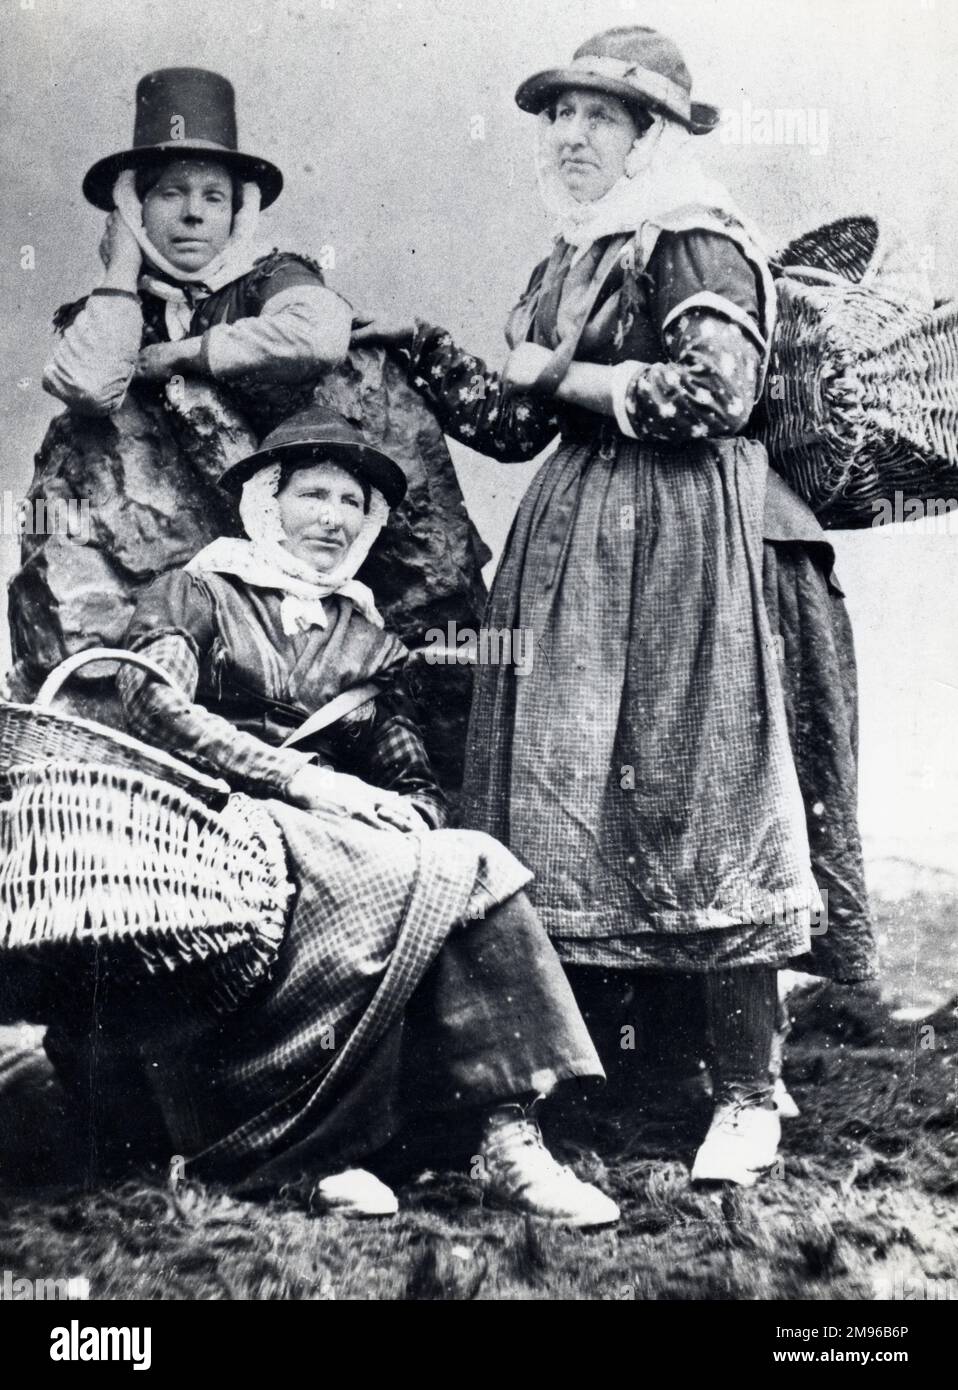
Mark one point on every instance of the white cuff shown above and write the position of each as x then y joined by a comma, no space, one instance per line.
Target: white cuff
623,374
718,304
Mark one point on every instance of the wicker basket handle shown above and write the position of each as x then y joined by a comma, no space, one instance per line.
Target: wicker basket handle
58,677
810,272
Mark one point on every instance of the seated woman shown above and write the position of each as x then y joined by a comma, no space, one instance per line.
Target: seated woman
411,949
183,291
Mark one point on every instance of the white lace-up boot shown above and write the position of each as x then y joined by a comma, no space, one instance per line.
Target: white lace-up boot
742,1141
519,1172
354,1192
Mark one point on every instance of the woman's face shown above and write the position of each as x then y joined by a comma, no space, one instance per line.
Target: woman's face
322,510
589,138
188,213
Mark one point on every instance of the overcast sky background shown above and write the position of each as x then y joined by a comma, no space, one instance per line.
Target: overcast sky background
370,107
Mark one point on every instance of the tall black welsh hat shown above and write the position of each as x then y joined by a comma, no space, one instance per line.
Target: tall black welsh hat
183,112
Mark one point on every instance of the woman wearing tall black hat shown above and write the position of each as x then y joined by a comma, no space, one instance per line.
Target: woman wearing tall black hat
645,768
184,289
413,976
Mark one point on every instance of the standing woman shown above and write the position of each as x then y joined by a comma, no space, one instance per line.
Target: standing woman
642,769
188,324
184,290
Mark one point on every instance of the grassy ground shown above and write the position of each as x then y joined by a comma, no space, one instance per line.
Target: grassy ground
863,1202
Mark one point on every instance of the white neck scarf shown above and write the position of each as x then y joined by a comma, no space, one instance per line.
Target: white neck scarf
237,257
662,174
264,561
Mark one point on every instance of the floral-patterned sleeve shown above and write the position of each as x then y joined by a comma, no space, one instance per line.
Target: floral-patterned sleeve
469,402
706,302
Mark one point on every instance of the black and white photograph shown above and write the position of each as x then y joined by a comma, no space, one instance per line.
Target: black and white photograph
478,770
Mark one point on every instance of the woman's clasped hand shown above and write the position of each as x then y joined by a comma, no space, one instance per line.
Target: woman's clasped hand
327,792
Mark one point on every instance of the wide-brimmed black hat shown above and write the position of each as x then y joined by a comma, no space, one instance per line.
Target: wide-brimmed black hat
640,66
320,435
183,112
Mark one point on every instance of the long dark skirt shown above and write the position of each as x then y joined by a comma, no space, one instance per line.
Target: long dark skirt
493,1019
819,677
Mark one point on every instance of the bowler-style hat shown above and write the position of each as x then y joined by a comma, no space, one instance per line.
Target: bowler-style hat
317,434
638,65
182,112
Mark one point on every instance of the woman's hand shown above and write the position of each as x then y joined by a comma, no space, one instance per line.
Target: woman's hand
120,254
369,330
160,361
324,791
524,366
401,814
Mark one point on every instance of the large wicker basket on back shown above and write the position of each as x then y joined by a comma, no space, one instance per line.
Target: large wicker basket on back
862,395
123,868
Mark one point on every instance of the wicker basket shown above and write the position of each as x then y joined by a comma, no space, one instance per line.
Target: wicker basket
120,886
37,733
862,395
